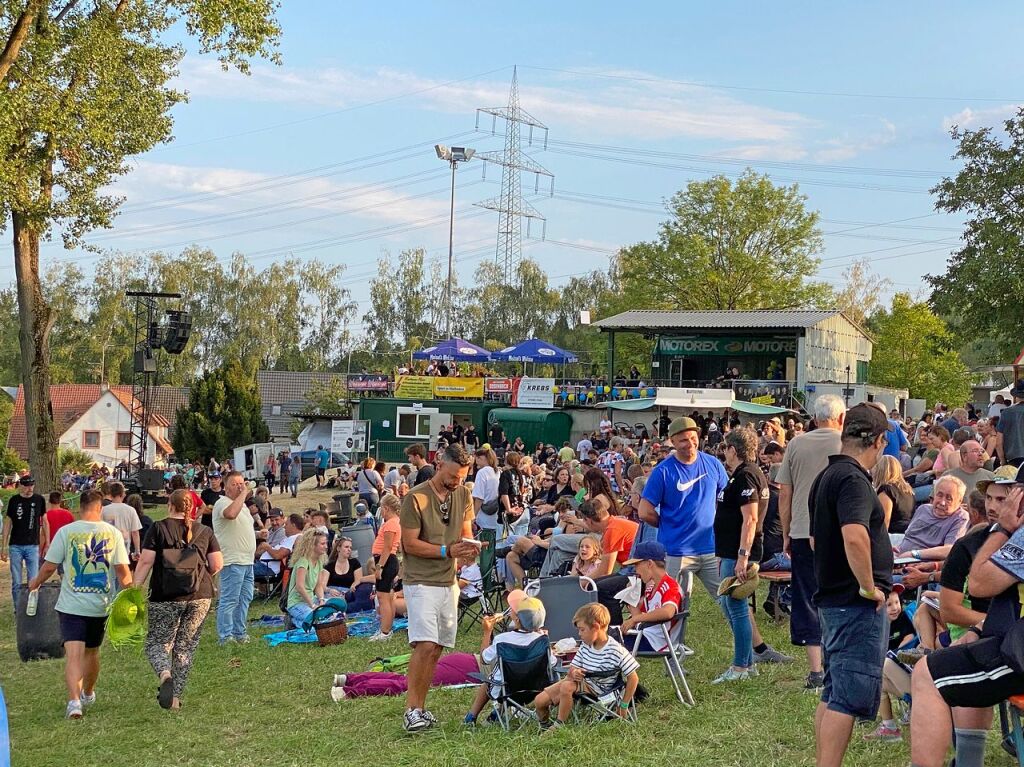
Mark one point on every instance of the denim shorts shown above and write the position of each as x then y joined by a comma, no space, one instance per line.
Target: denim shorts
854,642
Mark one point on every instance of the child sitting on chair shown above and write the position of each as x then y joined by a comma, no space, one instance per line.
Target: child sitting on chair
470,580
527,614
592,669
588,558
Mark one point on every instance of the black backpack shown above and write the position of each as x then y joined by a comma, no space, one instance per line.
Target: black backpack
183,567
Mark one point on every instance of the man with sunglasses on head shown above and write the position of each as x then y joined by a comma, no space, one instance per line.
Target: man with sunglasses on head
436,515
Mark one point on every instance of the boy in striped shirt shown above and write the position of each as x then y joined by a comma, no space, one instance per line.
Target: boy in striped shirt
592,668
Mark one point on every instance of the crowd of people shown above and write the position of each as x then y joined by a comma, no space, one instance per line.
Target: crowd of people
902,539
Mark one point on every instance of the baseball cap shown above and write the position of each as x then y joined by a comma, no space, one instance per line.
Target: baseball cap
276,512
1005,475
865,421
531,613
648,551
682,423
213,474
361,509
26,480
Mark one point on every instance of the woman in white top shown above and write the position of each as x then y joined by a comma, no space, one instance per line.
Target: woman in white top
485,489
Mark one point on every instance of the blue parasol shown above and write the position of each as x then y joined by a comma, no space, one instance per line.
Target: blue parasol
535,350
455,349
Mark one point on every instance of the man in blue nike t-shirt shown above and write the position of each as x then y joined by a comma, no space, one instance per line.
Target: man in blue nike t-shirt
680,499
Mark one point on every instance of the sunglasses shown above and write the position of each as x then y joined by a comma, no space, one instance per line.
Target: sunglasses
446,510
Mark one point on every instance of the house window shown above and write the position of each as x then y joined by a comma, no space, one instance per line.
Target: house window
124,440
412,424
90,439
275,410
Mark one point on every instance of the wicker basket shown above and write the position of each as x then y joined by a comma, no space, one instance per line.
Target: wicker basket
331,632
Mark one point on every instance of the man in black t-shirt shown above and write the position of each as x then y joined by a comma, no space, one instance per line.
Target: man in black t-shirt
210,496
964,681
853,565
470,438
25,533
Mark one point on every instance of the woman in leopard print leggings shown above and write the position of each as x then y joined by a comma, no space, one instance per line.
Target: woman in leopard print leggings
183,556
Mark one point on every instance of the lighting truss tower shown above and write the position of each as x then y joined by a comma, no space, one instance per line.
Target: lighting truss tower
511,206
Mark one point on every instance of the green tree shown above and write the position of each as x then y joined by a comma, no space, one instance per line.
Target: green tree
914,349
861,293
223,413
330,397
981,288
743,245
86,86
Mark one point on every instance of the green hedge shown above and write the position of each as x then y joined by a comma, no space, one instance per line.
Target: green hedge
70,499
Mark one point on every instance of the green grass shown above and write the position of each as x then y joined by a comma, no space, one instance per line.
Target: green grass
252,705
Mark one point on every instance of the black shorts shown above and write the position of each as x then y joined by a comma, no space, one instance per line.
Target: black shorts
387,576
974,675
535,557
82,628
320,472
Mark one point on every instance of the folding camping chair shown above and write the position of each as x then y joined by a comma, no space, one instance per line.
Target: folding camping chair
272,583
562,597
491,587
524,672
603,707
674,639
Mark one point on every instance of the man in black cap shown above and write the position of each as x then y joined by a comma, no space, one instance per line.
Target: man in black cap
25,533
1010,441
853,564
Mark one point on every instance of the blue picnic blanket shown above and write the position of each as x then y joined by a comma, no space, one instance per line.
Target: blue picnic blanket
363,624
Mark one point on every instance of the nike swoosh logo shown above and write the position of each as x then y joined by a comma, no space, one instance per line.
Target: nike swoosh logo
684,486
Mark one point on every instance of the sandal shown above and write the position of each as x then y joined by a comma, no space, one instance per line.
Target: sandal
165,693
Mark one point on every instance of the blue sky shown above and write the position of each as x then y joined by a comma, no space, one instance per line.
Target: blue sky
852,102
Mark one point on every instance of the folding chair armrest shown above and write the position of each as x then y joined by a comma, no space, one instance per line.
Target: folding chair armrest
476,676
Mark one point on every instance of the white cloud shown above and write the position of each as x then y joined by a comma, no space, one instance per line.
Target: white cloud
848,147
647,107
976,118
774,152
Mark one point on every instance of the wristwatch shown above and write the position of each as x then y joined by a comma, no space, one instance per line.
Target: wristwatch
742,553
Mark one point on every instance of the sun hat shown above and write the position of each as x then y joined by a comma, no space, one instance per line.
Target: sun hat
732,587
682,423
1004,475
126,623
531,613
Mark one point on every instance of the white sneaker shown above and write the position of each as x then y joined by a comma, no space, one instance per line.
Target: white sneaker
88,700
337,694
381,637
339,680
73,710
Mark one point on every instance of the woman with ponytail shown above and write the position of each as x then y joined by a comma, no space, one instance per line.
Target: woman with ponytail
183,556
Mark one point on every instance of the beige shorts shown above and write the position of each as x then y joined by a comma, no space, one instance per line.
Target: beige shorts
433,613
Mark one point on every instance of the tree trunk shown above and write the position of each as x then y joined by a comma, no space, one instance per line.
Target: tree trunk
36,319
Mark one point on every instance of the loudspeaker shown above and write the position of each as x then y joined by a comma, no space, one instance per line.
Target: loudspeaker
145,362
179,328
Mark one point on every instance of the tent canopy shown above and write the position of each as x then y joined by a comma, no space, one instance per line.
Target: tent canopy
753,408
455,349
534,350
645,403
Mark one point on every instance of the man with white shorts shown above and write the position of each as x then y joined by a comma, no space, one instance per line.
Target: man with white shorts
436,515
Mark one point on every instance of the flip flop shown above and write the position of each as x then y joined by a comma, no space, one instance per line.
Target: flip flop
165,693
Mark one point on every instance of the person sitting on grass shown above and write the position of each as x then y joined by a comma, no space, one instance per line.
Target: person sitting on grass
309,578
592,669
528,617
346,577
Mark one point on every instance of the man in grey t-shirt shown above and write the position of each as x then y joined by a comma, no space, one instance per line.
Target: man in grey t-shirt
806,457
972,469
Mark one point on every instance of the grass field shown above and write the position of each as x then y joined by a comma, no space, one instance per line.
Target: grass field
253,705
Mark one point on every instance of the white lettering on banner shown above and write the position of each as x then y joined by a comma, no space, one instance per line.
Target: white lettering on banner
726,346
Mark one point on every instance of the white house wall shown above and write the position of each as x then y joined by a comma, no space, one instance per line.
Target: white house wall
832,345
108,416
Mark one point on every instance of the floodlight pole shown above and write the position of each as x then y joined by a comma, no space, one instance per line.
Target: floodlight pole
451,246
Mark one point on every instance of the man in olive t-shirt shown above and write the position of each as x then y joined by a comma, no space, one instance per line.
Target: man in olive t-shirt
436,515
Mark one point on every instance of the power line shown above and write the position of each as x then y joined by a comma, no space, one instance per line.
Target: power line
791,91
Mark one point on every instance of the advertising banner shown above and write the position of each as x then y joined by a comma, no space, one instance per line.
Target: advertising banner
469,388
414,387
534,393
733,346
349,436
368,383
763,392
498,385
